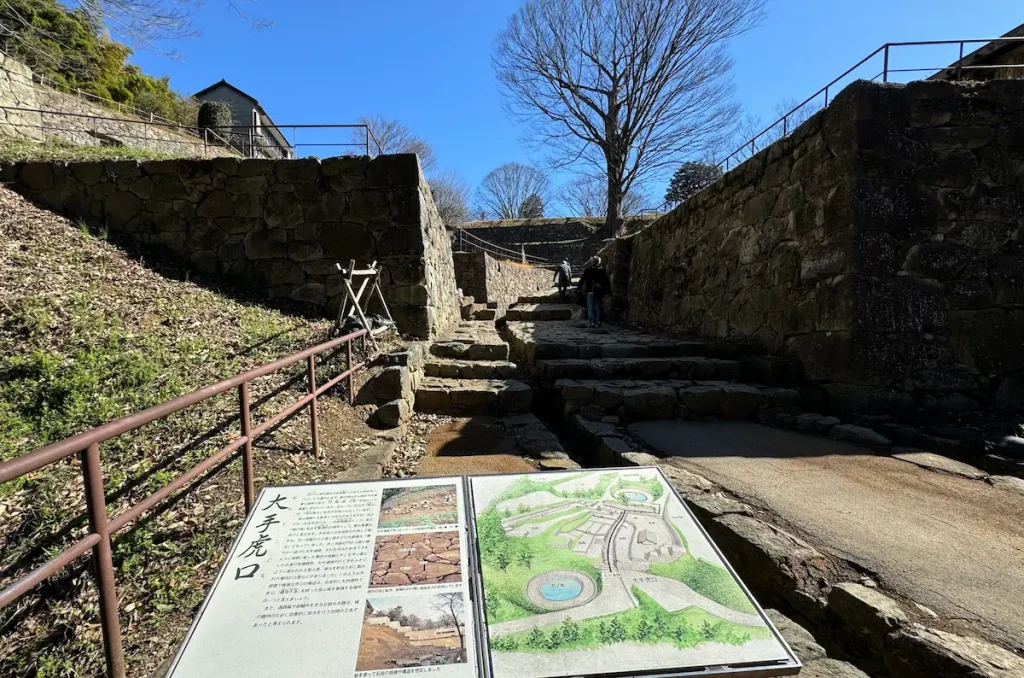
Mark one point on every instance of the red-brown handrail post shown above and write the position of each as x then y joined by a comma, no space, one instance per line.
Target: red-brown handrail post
248,484
103,561
348,366
311,370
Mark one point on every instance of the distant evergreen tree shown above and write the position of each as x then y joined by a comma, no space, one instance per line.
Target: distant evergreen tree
689,179
532,207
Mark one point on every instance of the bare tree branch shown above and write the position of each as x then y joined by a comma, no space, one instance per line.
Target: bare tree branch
451,195
505,189
395,137
587,196
629,88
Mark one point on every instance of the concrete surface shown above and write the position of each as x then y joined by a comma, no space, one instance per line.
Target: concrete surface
952,544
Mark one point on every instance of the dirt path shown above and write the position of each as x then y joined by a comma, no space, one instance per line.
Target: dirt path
952,544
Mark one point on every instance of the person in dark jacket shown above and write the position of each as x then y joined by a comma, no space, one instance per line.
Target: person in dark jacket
563,276
595,285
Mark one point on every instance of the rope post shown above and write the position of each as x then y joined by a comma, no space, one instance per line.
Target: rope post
522,250
885,65
960,63
103,561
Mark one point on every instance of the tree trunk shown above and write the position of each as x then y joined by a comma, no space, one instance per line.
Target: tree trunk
614,164
613,214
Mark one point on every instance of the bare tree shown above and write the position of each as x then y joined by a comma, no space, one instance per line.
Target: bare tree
394,137
450,607
451,194
631,87
505,189
587,196
752,134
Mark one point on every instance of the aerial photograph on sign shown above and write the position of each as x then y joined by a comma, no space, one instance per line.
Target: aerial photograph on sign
412,630
598,572
418,506
415,559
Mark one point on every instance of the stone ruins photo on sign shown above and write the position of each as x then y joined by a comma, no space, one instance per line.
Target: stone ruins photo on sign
422,506
418,558
586,573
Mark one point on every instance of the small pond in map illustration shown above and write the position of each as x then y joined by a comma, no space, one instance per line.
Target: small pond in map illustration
565,588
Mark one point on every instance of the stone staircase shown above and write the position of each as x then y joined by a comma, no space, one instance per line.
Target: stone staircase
468,372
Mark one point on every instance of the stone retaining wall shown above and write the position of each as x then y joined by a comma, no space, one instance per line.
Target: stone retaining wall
274,226
489,280
881,245
61,115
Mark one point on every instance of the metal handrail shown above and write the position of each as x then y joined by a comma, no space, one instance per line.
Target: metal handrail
958,68
102,527
491,248
365,144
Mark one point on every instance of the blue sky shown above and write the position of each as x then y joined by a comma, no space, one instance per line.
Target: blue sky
427,62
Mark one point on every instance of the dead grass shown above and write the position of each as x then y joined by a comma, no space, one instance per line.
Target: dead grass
89,333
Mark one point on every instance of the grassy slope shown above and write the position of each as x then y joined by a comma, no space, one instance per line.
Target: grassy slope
88,334
707,579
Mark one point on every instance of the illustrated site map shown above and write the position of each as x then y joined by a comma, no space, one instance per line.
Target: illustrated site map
601,572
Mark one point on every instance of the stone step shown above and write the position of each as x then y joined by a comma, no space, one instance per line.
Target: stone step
678,367
541,311
472,396
544,298
469,369
471,341
485,314
673,398
555,340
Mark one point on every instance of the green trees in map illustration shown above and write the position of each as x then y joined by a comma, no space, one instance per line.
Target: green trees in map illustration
525,556
509,562
649,623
